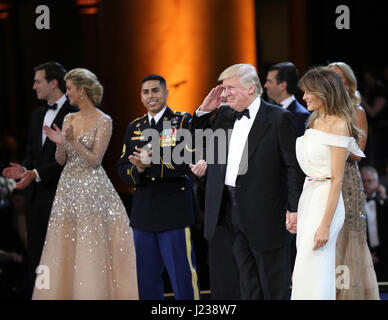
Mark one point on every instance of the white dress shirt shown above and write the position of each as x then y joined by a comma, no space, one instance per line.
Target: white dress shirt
371,216
286,102
157,116
51,114
48,121
237,143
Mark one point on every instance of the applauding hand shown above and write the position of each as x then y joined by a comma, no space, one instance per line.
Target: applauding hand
55,135
69,133
15,171
141,159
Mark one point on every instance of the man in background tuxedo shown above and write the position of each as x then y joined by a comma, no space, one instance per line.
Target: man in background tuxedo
377,220
260,180
281,86
39,173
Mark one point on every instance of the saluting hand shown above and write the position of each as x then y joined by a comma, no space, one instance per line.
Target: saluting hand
213,99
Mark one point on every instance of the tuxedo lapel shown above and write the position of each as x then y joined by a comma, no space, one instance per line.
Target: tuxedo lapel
58,120
259,127
227,119
292,106
39,129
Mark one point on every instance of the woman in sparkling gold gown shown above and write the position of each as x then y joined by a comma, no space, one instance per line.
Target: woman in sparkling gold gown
89,251
351,249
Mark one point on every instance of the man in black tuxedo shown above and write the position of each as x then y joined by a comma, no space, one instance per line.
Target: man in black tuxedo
260,180
281,86
39,173
377,220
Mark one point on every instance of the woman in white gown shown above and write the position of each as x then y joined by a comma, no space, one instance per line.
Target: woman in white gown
322,153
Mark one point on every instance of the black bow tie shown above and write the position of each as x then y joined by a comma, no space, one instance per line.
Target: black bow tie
52,107
245,112
371,198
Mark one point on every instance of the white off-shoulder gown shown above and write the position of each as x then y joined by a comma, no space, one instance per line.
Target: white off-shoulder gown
314,276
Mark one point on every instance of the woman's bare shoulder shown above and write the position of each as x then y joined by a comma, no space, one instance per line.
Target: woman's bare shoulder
338,126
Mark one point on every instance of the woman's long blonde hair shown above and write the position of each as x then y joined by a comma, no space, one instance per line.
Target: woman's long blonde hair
327,85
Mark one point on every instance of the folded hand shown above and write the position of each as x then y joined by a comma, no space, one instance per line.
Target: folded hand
291,221
199,169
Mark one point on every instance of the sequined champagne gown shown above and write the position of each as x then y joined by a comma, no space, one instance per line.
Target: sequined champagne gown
352,249
89,249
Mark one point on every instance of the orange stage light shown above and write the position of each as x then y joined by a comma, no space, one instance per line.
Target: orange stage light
87,2
88,10
188,42
88,6
4,10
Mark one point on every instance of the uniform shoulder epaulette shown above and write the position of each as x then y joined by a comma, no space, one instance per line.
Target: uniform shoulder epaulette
138,118
180,113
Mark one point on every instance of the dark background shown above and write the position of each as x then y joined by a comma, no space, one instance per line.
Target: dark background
302,31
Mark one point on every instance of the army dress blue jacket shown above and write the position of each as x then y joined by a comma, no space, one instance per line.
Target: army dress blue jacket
163,198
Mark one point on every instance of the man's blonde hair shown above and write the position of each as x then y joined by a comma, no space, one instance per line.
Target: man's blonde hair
247,73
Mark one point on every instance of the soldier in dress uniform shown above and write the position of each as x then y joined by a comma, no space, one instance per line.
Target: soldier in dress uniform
162,207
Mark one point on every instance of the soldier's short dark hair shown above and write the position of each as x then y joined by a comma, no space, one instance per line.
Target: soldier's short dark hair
54,70
155,77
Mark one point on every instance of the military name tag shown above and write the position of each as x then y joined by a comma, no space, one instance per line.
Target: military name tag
138,138
168,137
175,121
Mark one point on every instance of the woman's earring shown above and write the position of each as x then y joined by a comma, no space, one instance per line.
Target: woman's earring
82,96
